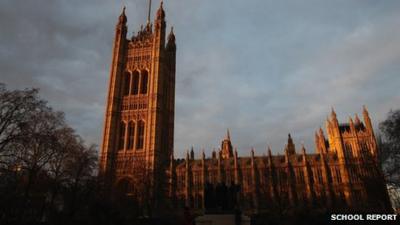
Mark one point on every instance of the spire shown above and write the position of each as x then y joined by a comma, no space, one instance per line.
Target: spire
367,120
351,121
226,147
192,153
290,140
303,153
187,155
171,46
290,148
365,111
148,15
357,119
287,155
171,36
269,156
333,113
122,17
160,12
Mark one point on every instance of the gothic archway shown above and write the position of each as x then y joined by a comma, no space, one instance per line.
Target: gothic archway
124,187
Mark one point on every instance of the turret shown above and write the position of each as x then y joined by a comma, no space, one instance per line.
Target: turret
303,153
357,119
334,123
214,154
114,93
254,179
368,125
220,179
122,18
187,179
226,146
321,140
192,153
352,127
316,141
367,119
235,164
203,177
269,157
159,24
171,46
290,148
187,159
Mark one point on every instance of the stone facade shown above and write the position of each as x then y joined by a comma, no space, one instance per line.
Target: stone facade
343,173
137,149
139,119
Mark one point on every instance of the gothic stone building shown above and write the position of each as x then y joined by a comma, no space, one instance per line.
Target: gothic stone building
343,173
139,118
137,149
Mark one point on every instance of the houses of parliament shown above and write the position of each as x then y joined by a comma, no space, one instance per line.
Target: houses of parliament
138,145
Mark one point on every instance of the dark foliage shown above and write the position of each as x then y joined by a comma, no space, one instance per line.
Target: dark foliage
389,144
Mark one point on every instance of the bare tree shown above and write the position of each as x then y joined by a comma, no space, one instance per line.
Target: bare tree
80,171
16,110
389,143
41,159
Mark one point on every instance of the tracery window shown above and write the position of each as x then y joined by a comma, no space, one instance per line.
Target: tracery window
127,80
143,82
122,128
300,176
348,150
135,83
131,135
140,135
319,176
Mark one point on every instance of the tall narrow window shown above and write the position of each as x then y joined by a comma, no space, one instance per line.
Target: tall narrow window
131,135
121,136
135,83
143,84
127,80
348,150
338,176
140,135
319,176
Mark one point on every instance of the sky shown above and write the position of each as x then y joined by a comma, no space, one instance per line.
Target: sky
261,68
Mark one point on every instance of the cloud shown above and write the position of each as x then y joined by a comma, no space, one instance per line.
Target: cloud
261,68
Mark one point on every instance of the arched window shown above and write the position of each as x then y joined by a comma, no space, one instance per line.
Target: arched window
348,150
143,82
140,135
135,83
131,135
127,81
122,128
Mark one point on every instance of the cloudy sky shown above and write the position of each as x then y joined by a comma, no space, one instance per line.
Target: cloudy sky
261,68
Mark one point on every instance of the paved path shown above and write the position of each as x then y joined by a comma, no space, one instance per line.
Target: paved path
228,219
